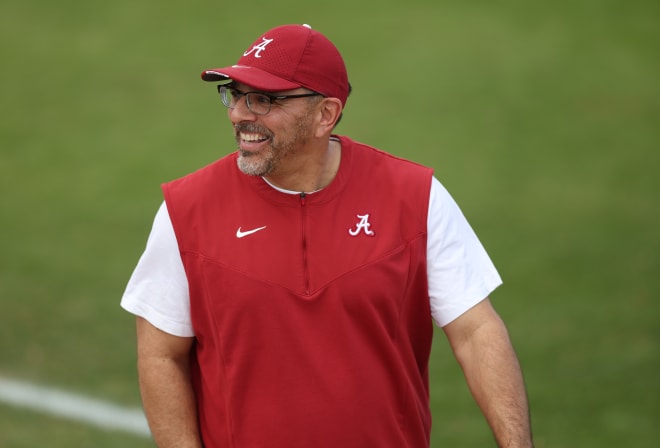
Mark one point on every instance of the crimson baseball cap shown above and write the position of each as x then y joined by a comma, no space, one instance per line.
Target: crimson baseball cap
286,58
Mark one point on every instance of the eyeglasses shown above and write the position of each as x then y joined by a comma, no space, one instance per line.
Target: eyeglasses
257,102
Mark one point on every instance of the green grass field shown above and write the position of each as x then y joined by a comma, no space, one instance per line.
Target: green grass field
542,119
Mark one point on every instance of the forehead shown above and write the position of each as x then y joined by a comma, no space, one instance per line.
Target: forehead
247,88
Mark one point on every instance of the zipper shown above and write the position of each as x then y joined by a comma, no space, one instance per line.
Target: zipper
303,208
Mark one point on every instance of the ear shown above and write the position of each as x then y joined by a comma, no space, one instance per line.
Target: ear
329,113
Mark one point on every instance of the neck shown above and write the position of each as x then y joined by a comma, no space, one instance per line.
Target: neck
311,173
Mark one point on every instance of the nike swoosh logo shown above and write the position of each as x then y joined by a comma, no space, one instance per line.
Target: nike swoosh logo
240,234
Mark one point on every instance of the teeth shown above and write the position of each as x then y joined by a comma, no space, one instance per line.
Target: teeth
252,137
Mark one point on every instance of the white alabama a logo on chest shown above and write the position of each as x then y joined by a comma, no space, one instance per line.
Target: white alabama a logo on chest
363,225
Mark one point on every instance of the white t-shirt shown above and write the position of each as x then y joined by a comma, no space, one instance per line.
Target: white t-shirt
460,273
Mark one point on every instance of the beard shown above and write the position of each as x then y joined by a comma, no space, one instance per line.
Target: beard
269,159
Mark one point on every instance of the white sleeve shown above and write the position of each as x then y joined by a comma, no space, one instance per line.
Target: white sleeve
158,288
460,273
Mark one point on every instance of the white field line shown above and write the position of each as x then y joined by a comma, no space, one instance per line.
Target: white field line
73,407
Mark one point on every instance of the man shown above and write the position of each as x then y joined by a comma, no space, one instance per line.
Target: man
287,291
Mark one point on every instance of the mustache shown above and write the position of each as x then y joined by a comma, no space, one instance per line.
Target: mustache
252,128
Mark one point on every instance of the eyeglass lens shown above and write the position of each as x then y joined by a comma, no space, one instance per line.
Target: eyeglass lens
256,102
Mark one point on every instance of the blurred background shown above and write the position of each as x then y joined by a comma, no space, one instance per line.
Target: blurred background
541,118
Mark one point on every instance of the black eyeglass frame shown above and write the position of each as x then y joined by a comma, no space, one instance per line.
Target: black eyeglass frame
228,87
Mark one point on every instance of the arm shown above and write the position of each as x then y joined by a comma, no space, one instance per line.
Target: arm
482,347
167,394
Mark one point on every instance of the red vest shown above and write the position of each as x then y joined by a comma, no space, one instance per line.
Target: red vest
311,312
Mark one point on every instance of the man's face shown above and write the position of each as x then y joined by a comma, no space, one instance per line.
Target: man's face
266,141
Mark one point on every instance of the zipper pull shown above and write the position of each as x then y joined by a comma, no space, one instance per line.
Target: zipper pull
302,198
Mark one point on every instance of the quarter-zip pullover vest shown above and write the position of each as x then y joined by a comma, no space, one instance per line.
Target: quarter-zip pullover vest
311,312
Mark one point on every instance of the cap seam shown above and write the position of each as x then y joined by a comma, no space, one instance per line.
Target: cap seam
308,44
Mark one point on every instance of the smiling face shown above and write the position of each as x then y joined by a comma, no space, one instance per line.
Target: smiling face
266,142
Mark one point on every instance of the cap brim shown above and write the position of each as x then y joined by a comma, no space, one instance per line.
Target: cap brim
250,76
